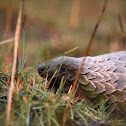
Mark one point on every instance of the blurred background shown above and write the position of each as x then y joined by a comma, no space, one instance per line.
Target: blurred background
51,27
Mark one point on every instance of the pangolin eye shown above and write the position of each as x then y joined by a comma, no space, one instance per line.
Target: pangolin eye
63,69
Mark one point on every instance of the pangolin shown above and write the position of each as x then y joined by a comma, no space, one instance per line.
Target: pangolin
103,74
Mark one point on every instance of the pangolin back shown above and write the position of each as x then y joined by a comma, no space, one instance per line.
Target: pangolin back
107,75
103,74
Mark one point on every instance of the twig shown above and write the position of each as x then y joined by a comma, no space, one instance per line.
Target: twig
16,41
82,63
6,41
122,31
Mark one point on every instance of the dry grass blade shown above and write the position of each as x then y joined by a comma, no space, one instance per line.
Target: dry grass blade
69,89
8,21
122,32
46,81
6,41
77,99
51,79
82,63
16,41
95,28
75,11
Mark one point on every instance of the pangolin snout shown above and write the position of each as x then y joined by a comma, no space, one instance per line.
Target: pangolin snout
41,70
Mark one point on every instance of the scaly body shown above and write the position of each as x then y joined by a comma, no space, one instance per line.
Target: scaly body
103,74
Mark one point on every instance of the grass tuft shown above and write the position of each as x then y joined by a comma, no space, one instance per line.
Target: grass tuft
33,105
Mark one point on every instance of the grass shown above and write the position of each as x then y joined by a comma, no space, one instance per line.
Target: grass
33,105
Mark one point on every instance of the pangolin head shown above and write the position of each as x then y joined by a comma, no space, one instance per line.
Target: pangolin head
65,66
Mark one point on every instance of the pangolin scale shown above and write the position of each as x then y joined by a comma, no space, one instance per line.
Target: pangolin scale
103,74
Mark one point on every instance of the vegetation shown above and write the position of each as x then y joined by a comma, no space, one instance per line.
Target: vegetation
44,36
33,105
